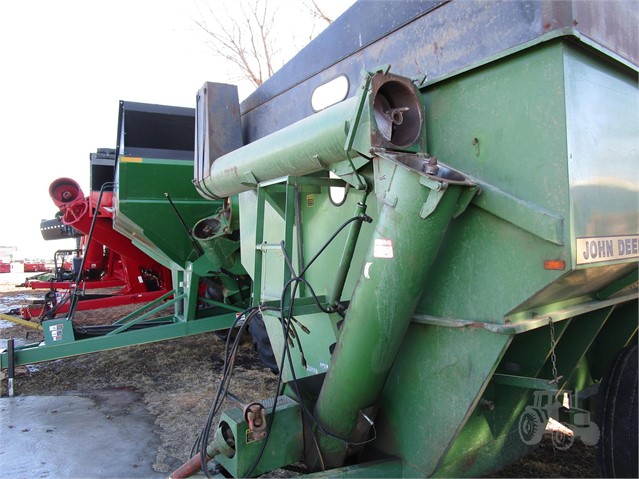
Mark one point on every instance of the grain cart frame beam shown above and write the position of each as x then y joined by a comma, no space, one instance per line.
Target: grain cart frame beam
135,328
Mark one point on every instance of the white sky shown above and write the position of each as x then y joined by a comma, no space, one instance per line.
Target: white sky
65,65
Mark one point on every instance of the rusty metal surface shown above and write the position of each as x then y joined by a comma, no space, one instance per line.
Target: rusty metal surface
615,25
442,37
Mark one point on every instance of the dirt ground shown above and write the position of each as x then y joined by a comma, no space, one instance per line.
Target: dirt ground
177,380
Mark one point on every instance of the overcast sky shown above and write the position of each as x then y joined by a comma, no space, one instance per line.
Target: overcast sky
65,65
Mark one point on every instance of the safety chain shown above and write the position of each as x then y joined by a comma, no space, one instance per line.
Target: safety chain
553,356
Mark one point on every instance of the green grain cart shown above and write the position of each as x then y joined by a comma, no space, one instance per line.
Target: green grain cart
437,203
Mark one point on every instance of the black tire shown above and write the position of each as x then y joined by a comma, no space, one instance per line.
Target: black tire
223,334
616,452
261,343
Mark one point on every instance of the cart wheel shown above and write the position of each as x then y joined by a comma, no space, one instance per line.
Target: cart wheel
223,334
261,343
616,452
563,441
531,426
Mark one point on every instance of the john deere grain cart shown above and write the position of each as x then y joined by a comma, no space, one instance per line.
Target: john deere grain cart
438,207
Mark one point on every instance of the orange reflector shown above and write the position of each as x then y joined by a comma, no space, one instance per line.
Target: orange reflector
556,264
130,159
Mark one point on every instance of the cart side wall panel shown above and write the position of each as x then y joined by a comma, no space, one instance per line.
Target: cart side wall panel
602,107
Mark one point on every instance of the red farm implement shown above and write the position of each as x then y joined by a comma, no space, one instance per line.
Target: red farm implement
35,267
109,260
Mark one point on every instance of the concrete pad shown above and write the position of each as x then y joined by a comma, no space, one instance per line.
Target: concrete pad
96,434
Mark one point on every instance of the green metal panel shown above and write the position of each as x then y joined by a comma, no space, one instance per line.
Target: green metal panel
57,331
489,439
489,457
320,219
145,214
521,126
316,352
435,384
492,124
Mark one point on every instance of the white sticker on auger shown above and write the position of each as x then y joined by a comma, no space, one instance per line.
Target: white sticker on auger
383,248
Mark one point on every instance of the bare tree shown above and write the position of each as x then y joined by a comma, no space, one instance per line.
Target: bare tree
248,38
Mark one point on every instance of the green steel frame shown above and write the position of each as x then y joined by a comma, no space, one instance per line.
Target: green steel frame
219,316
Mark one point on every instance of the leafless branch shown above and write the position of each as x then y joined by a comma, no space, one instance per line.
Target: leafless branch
317,12
248,38
245,42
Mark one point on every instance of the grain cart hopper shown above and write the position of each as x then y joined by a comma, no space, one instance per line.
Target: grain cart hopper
483,250
160,210
157,205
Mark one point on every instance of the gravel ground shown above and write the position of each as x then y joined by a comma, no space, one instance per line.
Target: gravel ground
177,380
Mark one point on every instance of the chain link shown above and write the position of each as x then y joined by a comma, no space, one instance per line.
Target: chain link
553,356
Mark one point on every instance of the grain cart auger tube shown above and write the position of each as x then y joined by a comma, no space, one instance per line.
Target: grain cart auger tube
144,278
390,104
418,199
103,267
108,256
